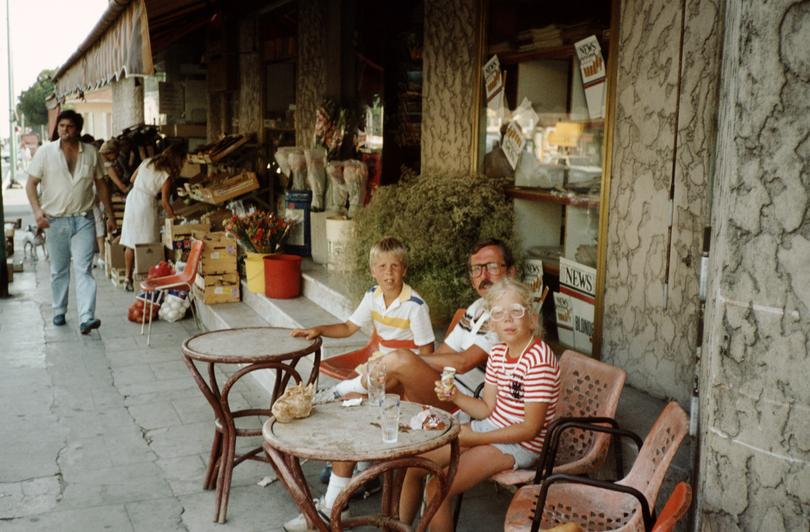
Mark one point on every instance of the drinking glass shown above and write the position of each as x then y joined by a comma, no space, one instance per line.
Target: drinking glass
376,382
389,418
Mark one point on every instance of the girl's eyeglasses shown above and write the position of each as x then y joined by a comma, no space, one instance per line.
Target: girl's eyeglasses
515,311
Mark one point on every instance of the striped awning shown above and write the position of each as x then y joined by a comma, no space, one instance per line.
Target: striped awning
118,46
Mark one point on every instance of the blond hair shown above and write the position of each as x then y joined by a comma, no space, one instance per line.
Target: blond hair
525,297
388,244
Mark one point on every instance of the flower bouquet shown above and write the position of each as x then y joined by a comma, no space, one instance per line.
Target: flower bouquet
259,231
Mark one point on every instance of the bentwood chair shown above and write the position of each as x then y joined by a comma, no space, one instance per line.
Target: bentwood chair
589,393
626,505
184,279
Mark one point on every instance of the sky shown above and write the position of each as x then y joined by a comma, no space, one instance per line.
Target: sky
44,33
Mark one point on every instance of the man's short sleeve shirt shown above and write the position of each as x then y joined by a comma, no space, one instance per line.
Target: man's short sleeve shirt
62,193
473,329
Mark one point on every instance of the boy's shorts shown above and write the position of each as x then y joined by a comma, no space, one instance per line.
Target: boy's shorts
524,458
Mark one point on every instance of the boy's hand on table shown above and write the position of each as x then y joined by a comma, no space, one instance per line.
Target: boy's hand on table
309,334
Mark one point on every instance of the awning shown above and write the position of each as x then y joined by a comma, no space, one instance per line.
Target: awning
124,39
118,46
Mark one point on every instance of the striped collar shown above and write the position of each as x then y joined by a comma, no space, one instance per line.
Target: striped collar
404,294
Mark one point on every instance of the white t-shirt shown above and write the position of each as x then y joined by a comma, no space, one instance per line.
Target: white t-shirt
60,192
407,318
472,329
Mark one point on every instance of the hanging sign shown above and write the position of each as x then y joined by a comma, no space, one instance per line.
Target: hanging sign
592,67
512,144
493,81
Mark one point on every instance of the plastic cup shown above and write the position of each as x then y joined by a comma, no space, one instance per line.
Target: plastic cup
389,418
376,382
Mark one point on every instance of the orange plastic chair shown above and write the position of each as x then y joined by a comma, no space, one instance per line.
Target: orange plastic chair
675,508
342,366
589,393
598,505
184,279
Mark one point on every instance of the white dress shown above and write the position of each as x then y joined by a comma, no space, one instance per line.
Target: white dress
140,212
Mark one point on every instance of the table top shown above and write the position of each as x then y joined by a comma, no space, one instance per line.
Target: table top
247,345
335,432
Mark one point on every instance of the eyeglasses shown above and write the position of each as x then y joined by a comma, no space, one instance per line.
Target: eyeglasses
477,270
515,311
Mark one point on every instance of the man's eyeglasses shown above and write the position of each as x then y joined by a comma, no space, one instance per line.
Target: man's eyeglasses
515,311
477,270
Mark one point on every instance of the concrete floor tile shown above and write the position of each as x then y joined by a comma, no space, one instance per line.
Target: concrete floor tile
168,385
154,415
112,518
115,485
174,369
30,497
133,375
182,440
185,474
84,454
163,515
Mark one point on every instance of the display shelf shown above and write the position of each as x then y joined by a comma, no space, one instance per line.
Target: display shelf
588,201
513,57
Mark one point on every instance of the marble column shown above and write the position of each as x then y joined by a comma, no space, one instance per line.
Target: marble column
311,68
755,466
449,86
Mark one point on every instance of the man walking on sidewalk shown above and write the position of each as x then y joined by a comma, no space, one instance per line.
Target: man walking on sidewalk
65,171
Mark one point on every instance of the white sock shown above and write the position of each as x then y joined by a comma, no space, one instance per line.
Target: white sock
336,485
349,386
362,466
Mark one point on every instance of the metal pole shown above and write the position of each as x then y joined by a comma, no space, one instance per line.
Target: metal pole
12,136
3,265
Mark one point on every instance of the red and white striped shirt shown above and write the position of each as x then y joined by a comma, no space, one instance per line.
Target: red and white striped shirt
534,377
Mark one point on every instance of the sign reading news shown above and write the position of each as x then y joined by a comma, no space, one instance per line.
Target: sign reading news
577,296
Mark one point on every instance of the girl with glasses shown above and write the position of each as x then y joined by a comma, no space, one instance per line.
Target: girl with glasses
521,389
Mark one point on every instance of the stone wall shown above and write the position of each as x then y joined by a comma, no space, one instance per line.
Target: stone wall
311,67
755,468
127,98
449,86
662,156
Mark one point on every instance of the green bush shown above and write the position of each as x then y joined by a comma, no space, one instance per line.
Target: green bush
439,218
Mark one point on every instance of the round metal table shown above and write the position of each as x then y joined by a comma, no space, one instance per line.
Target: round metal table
254,348
337,433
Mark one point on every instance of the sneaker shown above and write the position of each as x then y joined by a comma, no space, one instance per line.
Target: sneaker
369,488
300,524
89,325
59,320
326,396
326,474
128,287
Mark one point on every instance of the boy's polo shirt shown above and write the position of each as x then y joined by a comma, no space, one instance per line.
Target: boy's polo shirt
60,192
407,318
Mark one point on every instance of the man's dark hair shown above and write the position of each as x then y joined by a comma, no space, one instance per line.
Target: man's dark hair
508,259
73,116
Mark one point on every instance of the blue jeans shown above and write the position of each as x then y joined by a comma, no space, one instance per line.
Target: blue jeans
73,237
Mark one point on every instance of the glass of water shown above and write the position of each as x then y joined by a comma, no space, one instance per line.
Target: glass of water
389,418
376,381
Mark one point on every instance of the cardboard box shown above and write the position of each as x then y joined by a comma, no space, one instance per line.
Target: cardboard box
113,255
146,256
175,233
217,288
219,253
226,189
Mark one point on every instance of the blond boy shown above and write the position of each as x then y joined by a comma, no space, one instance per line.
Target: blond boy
400,319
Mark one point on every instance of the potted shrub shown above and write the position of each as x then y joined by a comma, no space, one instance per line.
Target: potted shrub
438,218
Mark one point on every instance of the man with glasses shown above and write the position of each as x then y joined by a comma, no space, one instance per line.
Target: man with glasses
468,344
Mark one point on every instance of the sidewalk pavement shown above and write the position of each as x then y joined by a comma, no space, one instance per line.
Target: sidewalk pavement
101,432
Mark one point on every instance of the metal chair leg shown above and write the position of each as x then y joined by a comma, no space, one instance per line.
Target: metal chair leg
143,317
151,310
